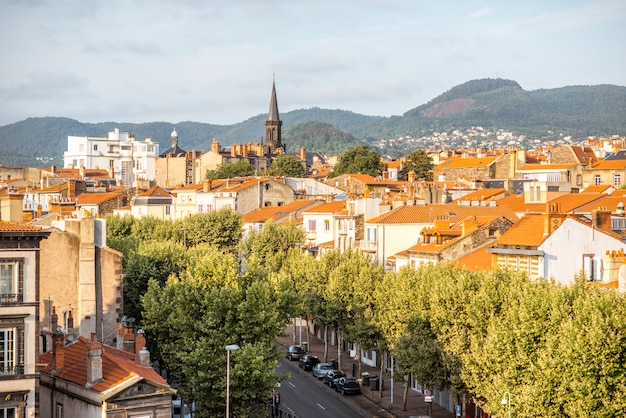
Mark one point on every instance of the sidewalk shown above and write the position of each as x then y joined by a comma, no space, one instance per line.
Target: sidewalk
379,407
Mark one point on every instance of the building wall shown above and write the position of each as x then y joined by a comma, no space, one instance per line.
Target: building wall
170,172
606,177
392,238
88,281
563,262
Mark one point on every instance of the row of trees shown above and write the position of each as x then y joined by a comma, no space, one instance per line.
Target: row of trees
560,351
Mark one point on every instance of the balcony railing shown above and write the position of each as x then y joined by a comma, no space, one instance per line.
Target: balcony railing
367,245
8,298
11,370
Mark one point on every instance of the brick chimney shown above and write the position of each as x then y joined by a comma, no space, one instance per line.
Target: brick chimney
552,219
94,360
601,219
303,154
58,353
215,147
129,341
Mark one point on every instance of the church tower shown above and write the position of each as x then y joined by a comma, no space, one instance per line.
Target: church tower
273,127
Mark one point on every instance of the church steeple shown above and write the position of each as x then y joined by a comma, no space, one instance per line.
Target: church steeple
273,126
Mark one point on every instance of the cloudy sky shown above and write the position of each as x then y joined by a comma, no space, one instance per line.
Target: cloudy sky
213,61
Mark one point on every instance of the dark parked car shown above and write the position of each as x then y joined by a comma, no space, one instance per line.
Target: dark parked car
348,385
308,362
295,352
332,377
320,370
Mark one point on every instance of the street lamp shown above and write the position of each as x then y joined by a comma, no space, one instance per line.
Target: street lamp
184,236
506,400
229,348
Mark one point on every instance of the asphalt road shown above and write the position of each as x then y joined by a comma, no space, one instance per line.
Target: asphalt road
306,397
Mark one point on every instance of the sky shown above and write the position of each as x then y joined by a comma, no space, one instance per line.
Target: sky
214,61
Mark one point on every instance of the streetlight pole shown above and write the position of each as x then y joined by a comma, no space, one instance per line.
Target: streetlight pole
506,400
184,236
229,348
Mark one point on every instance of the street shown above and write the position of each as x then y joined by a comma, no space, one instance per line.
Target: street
306,397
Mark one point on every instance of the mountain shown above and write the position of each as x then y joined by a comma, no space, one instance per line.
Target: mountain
577,111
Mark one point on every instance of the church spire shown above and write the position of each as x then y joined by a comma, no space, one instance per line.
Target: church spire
273,126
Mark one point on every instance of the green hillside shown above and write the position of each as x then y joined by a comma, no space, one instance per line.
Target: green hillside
576,111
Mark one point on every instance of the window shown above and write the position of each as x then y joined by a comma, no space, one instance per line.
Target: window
81,148
11,280
12,345
59,411
326,225
617,180
597,180
95,147
312,225
111,163
8,412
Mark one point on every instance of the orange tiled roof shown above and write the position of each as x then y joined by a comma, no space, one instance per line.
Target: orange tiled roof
516,202
117,366
458,162
156,191
393,164
241,186
16,227
74,173
527,232
546,167
608,165
429,213
598,188
96,198
276,212
484,194
329,207
572,201
479,260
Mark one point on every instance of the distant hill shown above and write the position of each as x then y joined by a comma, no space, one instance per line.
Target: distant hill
578,111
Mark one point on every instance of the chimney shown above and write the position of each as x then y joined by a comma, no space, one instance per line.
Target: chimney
129,341
81,171
215,147
53,169
552,221
206,185
119,337
303,154
58,353
111,172
94,360
411,176
468,226
70,325
142,356
601,219
54,320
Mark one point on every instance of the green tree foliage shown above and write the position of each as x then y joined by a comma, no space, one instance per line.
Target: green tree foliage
420,163
286,166
194,315
268,248
241,168
359,160
221,228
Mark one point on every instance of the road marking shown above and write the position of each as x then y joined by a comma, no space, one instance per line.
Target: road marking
321,406
292,384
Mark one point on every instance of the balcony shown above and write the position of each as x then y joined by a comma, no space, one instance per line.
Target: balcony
369,246
11,370
10,298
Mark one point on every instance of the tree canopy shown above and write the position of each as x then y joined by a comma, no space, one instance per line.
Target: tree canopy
420,163
241,168
287,166
359,160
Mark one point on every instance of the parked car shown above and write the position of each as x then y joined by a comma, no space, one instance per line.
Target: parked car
332,377
295,352
348,385
308,361
320,370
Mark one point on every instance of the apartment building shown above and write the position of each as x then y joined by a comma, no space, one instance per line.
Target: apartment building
19,318
119,152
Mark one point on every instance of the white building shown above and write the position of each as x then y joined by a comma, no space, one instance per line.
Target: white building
130,159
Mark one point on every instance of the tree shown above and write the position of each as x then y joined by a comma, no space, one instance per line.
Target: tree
359,160
221,229
196,313
286,166
241,168
420,163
